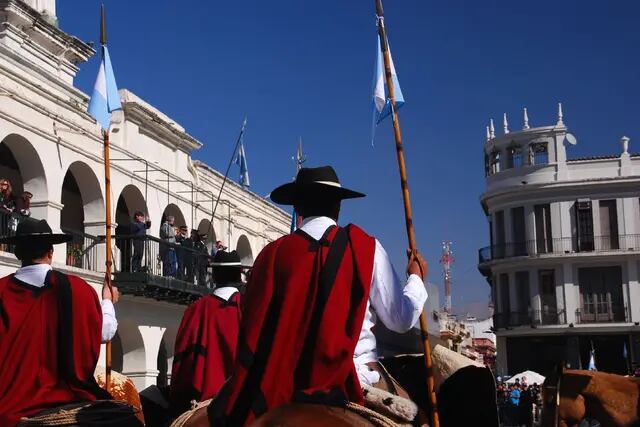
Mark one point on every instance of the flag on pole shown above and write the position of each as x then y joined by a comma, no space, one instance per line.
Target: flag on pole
241,160
381,100
592,361
105,98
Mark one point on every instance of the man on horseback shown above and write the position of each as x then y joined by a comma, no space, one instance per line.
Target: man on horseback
206,341
312,300
51,327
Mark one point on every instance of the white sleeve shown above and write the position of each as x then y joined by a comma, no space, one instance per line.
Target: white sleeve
109,321
397,305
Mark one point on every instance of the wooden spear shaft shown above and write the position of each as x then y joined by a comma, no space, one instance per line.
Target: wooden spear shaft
109,262
424,327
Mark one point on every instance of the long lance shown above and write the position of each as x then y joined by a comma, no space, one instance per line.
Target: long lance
107,196
424,327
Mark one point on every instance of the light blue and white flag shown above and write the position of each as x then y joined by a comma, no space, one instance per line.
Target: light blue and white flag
381,100
105,98
592,361
241,160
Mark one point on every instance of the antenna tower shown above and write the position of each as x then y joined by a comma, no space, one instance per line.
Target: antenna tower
447,260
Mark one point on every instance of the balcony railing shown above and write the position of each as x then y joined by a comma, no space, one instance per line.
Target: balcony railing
560,246
603,313
529,318
82,251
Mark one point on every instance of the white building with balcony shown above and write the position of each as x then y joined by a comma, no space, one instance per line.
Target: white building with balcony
51,147
564,255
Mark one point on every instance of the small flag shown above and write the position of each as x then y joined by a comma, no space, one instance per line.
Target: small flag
592,361
381,100
105,98
294,221
241,160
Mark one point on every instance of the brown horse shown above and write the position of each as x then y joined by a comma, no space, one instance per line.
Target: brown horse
121,388
611,399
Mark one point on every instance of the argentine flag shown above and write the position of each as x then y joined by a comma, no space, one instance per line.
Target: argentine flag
105,98
381,100
592,361
241,160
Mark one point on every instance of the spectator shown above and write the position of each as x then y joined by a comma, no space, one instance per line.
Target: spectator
218,246
189,258
168,252
201,259
139,228
181,238
7,206
525,407
23,204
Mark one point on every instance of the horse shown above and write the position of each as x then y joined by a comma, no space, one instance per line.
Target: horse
458,382
122,389
570,396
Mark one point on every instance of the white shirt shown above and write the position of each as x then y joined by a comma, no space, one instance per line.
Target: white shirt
35,275
397,305
225,292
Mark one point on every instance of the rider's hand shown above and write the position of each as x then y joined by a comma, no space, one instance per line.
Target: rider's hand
416,265
113,295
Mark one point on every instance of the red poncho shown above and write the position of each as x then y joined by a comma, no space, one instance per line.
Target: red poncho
205,349
297,337
49,345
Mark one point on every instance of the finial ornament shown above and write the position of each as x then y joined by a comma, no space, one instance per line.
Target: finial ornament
505,124
625,144
492,129
526,119
560,122
488,134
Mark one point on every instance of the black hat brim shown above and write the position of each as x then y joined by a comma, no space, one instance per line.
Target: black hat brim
51,238
290,193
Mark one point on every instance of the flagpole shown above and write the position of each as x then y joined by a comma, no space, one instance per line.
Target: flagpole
107,197
424,327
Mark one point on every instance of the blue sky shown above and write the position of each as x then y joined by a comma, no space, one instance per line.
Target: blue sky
303,68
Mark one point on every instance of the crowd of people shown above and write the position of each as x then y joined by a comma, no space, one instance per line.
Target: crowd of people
519,402
13,207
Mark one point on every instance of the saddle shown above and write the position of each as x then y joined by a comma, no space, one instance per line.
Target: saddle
103,413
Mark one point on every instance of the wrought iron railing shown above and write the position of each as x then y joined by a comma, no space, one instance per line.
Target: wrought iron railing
603,313
529,317
560,246
84,251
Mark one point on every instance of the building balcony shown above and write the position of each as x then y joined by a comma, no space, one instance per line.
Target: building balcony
603,313
529,318
564,246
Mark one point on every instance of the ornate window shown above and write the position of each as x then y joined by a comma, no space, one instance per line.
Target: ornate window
514,157
538,153
495,162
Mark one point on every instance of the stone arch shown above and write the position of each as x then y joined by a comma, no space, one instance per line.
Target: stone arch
243,247
132,347
90,191
21,164
129,201
205,228
173,210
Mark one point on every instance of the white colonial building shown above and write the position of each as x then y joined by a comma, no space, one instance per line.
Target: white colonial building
51,147
564,250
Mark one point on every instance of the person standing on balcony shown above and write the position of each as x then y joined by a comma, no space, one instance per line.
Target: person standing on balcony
7,206
51,328
201,259
206,340
181,239
168,253
139,228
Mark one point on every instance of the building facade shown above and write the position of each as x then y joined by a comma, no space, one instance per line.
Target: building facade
52,148
564,251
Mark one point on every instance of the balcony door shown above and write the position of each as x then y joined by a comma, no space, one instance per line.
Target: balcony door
608,224
549,314
601,295
584,225
543,229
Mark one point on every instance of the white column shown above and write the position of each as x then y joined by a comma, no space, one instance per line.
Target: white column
566,293
530,228
152,337
634,289
51,211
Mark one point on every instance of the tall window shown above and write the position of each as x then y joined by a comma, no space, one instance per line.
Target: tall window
514,158
584,225
495,162
524,299
544,240
538,153
518,231
547,282
499,228
601,294
505,304
608,224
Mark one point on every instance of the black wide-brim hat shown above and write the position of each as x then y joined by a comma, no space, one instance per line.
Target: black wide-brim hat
226,259
322,183
31,231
